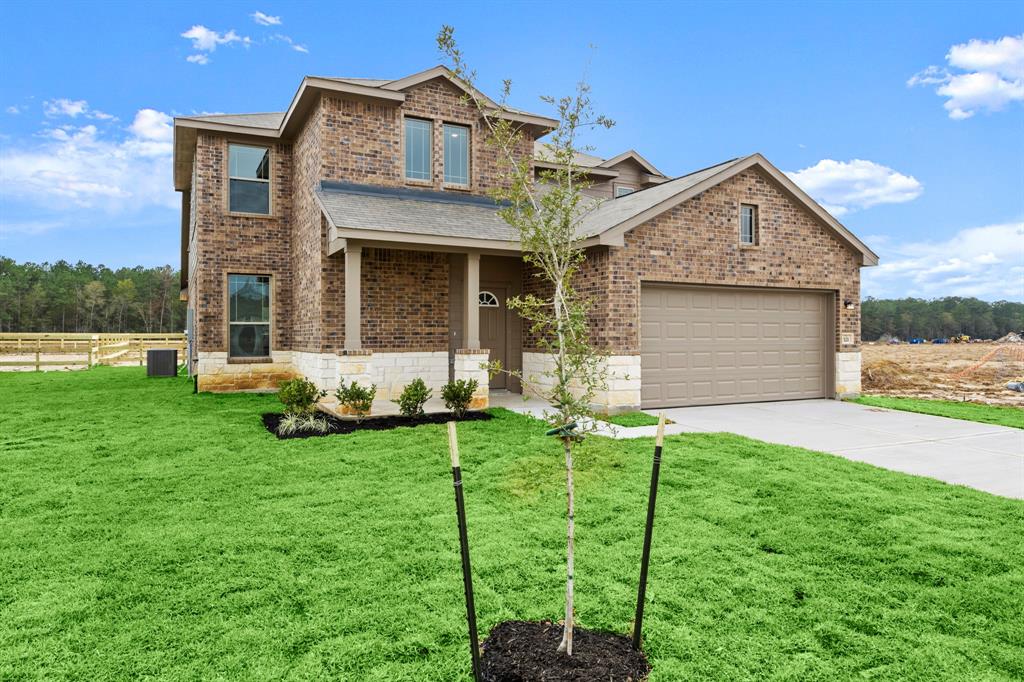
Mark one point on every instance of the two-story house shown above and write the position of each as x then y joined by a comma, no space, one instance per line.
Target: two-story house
351,237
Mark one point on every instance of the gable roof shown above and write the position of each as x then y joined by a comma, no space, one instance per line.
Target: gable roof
596,165
609,222
635,156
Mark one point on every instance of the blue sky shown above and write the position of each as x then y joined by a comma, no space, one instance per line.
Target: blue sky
906,120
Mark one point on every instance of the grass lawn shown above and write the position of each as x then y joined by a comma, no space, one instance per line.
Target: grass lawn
630,419
1003,415
149,532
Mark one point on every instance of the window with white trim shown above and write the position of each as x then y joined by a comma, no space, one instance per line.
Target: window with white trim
249,316
248,179
419,136
456,154
623,190
748,224
487,300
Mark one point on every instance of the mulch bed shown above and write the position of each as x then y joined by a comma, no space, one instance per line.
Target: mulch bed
272,419
522,651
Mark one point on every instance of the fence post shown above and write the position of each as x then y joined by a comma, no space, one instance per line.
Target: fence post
39,347
88,345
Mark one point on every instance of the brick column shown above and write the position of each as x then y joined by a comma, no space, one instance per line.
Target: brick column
468,365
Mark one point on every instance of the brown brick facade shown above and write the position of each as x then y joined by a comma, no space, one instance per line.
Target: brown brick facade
226,243
405,300
697,242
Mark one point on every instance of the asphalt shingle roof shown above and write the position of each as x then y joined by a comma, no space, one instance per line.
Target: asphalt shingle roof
446,214
270,120
409,211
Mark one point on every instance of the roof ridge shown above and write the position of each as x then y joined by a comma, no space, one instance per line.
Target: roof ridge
410,194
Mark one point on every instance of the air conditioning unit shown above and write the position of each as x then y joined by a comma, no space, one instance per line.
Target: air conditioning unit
162,362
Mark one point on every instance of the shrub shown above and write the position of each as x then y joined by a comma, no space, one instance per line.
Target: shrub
293,423
458,394
356,398
299,395
413,397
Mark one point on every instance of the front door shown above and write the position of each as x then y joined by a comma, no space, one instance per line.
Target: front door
493,334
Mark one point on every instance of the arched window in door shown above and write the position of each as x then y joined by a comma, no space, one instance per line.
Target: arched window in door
488,300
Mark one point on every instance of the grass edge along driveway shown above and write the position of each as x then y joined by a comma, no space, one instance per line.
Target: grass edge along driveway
1001,415
146,531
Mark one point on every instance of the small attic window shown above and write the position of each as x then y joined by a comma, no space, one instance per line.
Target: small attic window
623,190
488,300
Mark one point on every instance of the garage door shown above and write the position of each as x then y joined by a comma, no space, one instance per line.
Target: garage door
710,345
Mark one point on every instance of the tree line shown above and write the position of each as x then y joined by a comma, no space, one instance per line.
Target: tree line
906,318
61,297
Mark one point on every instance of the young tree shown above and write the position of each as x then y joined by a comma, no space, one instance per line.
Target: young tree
548,216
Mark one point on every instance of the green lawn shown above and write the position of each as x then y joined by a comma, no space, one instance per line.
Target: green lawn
1004,415
629,419
149,532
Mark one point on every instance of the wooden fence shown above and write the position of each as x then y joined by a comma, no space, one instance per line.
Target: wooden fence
54,351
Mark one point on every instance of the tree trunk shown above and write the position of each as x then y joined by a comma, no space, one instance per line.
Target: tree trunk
566,644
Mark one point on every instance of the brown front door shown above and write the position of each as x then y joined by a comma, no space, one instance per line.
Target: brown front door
493,330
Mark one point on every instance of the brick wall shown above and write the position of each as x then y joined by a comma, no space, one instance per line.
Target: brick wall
226,243
405,300
362,141
697,242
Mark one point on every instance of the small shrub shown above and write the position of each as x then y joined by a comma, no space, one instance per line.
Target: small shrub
289,424
294,423
413,397
299,395
356,398
458,394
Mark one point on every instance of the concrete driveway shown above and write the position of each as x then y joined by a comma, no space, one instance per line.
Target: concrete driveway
989,458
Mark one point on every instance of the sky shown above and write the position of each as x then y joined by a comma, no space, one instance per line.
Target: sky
906,120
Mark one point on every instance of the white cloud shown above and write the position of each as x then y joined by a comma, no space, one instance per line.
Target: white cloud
65,107
844,186
80,167
206,40
291,43
987,262
55,108
989,76
13,110
265,19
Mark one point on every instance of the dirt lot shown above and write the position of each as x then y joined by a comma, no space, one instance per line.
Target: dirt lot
945,371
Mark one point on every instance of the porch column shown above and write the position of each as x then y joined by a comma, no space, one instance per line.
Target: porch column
353,296
471,318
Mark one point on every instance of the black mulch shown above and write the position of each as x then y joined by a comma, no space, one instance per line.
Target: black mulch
521,651
272,419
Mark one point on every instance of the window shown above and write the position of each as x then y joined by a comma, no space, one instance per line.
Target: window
249,179
456,155
488,300
623,190
249,316
418,144
748,224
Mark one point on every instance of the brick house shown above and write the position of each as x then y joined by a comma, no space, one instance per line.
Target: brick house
351,237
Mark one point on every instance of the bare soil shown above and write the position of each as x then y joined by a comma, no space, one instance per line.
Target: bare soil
976,372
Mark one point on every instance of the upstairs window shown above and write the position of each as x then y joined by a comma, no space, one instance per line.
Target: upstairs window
249,316
248,179
623,190
456,155
418,143
748,224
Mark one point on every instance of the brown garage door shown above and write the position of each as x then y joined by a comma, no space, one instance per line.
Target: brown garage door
712,345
